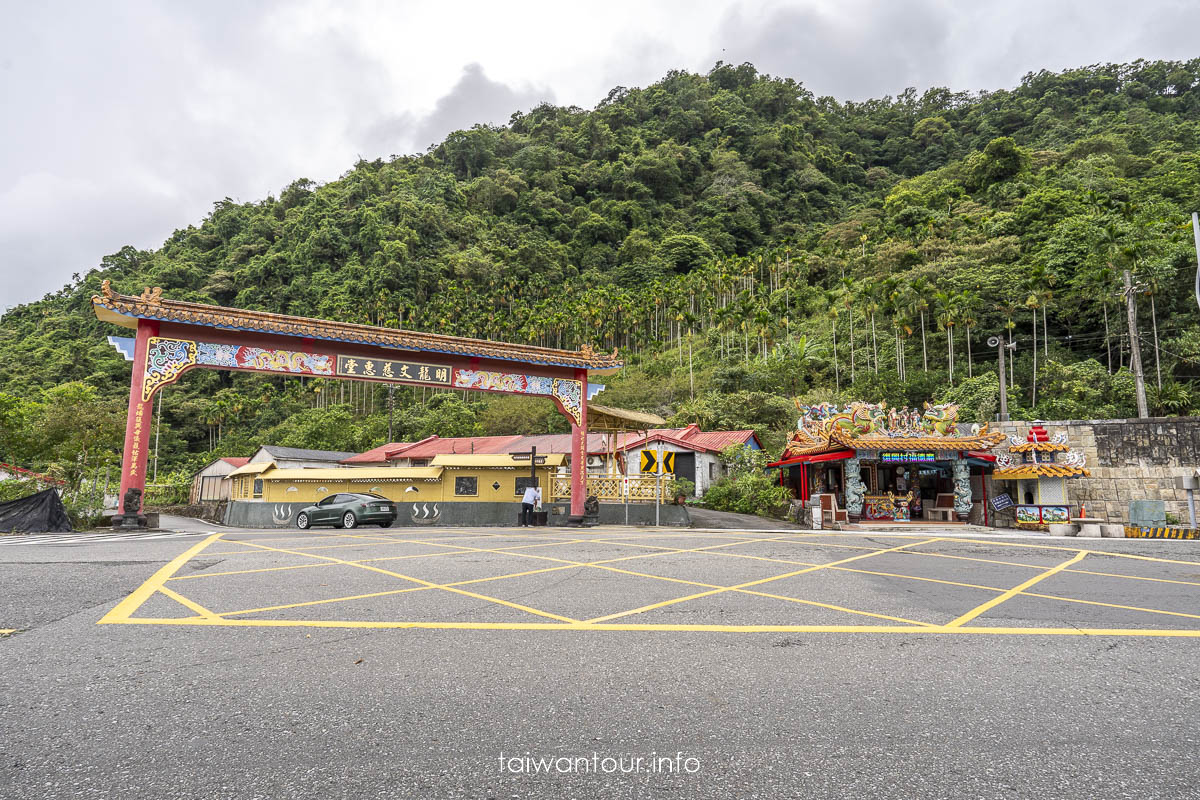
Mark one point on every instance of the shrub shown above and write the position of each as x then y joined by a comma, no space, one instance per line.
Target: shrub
747,488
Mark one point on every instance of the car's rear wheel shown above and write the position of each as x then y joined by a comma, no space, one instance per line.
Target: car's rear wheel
349,520
302,521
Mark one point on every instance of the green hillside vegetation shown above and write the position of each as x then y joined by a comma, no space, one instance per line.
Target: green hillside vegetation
741,241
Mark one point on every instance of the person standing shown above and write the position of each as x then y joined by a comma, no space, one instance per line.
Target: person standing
531,498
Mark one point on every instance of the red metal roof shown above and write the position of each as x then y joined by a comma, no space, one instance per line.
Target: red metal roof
693,438
455,445
690,437
597,443
377,455
236,461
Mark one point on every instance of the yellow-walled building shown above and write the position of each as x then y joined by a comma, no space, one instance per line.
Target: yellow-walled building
449,478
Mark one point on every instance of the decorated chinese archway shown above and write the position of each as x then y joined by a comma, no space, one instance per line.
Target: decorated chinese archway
173,337
883,463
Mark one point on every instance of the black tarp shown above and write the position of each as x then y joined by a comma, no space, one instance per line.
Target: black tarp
37,513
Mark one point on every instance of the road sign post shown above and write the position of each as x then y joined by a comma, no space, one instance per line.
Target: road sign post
658,486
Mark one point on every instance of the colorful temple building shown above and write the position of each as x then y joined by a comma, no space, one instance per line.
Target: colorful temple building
1041,467
881,463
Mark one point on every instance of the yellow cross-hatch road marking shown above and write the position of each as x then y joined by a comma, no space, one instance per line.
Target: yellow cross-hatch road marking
430,584
123,612
995,601
665,603
124,609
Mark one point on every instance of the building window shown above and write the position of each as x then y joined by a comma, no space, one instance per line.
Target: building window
712,471
466,486
523,483
258,487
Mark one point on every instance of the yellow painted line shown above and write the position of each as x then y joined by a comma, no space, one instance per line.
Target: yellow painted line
674,628
7,631
765,594
566,564
194,606
124,609
995,601
439,554
990,588
758,582
1110,605
968,538
248,571
1131,577
432,585
399,591
709,549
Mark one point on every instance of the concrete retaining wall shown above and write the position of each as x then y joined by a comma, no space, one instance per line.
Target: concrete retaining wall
1129,459
257,514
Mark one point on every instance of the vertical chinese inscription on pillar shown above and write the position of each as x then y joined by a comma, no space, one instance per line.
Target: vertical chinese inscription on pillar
136,447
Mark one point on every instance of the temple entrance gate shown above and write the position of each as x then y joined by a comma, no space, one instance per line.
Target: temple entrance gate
173,337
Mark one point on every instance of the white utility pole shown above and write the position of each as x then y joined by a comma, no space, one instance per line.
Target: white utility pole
1135,347
1196,237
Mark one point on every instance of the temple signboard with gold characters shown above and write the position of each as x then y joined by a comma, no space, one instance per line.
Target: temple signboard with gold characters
389,370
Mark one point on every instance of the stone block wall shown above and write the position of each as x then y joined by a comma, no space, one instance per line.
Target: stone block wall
1129,459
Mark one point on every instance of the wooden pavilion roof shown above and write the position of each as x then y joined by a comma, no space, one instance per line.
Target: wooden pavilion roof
607,418
125,310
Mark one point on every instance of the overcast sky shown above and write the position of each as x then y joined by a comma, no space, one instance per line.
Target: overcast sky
121,121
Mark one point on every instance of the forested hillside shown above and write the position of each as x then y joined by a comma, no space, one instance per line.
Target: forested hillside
740,240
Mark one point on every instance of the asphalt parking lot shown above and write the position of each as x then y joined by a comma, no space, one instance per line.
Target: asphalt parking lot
513,663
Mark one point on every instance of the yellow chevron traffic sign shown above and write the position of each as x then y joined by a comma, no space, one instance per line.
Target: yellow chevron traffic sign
650,463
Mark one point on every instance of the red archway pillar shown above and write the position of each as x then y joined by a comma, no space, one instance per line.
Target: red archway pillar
137,420
579,450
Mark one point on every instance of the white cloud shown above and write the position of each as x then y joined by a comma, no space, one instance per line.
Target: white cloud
124,121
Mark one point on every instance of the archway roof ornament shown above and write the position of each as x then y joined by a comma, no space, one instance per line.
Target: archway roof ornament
126,310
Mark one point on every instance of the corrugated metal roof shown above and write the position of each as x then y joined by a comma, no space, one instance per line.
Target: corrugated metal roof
377,455
356,474
495,460
558,443
467,445
253,469
692,437
300,454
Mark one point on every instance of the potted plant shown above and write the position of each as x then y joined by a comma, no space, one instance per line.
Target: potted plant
681,489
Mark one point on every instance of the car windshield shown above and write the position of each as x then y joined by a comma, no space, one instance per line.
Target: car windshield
369,496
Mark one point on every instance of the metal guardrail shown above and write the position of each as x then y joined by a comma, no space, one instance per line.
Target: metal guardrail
618,488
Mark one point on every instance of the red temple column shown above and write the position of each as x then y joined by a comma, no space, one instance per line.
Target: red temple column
579,450
137,422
